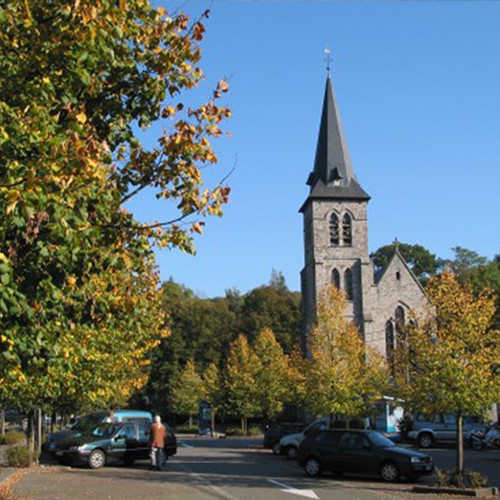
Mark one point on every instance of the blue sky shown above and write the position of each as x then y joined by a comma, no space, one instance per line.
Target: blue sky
418,87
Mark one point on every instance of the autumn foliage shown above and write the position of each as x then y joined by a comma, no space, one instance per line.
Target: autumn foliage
344,376
79,300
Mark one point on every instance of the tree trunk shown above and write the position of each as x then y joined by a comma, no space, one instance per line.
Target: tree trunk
2,421
38,435
190,421
31,435
212,423
460,450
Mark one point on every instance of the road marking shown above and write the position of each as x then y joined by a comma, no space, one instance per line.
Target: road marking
294,491
204,483
184,445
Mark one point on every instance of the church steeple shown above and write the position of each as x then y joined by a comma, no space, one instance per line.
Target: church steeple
333,175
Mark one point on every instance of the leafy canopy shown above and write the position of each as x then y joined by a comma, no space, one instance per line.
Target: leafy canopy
79,299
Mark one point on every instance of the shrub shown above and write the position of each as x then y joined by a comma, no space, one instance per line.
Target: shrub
472,478
186,429
12,437
254,431
235,431
18,456
405,425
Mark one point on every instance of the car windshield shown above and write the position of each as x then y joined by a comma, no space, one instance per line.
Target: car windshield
104,430
380,441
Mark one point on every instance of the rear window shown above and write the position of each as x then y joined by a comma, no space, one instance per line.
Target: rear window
88,421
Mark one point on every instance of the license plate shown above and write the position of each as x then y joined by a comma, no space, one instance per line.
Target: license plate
59,453
428,467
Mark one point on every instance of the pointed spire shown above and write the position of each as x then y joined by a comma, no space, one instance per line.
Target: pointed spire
333,175
332,153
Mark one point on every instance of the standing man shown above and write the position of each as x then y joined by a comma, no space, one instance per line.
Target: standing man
157,433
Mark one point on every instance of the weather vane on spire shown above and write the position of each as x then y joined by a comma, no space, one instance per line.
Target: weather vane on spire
328,59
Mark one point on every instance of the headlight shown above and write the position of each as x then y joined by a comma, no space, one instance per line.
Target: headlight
77,448
416,460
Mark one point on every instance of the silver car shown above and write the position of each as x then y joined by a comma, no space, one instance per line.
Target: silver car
429,430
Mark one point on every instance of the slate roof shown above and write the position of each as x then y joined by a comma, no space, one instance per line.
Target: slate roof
333,176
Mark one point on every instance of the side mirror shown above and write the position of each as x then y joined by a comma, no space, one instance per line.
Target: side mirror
120,437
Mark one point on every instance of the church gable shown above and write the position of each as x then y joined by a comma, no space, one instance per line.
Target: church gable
397,285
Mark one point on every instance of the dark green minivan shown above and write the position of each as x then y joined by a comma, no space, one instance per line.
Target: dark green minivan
125,441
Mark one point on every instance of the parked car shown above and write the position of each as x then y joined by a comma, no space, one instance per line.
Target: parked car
273,434
289,444
86,422
361,452
428,431
125,441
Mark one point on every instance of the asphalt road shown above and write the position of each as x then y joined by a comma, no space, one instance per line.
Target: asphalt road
230,469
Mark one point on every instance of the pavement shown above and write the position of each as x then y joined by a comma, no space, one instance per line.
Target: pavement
219,469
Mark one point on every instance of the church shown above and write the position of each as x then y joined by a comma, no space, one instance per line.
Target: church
335,216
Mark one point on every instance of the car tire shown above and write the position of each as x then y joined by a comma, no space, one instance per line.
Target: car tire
389,472
425,440
477,444
276,449
312,466
97,459
291,453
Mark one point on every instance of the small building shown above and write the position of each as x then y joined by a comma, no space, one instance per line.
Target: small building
336,244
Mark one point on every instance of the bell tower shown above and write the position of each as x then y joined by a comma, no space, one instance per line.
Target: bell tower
335,223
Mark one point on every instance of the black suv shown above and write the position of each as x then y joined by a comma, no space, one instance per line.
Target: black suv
362,452
126,441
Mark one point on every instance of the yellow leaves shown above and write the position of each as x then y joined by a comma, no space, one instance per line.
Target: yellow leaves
81,117
197,227
71,281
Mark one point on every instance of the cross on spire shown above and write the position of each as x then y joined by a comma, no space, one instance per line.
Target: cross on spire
328,59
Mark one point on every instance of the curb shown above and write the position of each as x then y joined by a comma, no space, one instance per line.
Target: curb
491,492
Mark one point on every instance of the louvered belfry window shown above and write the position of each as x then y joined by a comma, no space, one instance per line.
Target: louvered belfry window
334,230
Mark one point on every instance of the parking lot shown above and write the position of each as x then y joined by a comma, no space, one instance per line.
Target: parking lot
228,469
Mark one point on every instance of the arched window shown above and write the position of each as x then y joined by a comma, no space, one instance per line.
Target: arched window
334,230
390,342
336,278
347,230
399,316
348,284
399,319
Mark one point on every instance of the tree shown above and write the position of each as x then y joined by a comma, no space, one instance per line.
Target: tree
79,298
465,260
448,361
201,329
240,381
187,392
214,390
423,263
479,273
271,380
275,307
344,376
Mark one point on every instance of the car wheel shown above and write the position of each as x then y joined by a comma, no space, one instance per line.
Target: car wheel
312,467
291,453
425,440
389,472
477,444
276,449
97,459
